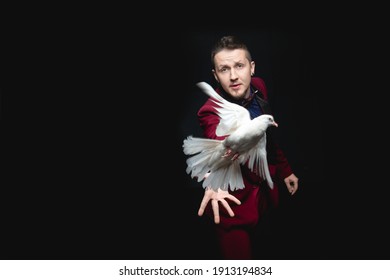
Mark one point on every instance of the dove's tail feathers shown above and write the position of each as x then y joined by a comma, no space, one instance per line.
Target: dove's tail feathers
207,156
198,166
193,145
203,150
225,178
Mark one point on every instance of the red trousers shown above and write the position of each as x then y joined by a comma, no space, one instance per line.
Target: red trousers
234,234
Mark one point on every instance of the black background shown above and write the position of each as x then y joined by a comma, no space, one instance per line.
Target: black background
94,115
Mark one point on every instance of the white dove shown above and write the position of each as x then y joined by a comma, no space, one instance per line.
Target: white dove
217,162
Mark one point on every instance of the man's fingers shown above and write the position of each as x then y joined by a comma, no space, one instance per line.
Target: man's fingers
215,198
292,186
214,204
294,190
234,199
203,204
227,207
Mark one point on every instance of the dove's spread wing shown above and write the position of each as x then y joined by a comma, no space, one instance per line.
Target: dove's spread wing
232,115
249,141
208,159
257,161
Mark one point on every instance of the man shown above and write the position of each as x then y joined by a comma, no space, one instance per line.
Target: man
242,209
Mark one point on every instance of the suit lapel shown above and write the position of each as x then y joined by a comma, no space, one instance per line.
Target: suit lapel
266,109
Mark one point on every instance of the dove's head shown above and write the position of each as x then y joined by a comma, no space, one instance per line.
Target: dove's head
268,119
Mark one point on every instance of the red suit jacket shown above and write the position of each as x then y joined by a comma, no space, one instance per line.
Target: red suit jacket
256,196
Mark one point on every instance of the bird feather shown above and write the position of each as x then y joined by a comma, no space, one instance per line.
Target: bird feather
218,162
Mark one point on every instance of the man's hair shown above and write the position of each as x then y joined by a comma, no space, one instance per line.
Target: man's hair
230,43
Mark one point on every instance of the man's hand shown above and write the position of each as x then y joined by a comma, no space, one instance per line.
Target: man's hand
291,183
216,197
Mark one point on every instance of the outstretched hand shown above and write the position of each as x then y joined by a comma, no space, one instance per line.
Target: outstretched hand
215,197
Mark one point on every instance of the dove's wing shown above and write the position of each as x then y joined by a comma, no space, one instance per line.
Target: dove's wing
207,161
258,161
232,115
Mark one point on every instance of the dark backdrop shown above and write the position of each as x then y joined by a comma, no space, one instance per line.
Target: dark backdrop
94,122
283,60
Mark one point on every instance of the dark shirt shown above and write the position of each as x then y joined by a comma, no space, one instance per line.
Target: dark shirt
254,108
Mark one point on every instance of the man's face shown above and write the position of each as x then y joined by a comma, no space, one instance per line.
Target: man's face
233,71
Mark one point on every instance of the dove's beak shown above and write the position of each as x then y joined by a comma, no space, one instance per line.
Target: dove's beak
276,124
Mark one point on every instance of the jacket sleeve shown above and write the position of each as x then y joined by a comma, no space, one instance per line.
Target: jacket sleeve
283,168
